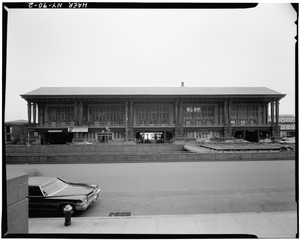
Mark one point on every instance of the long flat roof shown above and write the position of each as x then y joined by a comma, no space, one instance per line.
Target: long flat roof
140,91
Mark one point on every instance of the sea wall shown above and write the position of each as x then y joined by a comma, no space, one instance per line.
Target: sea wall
128,153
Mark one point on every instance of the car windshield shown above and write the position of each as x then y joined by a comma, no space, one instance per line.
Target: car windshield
53,187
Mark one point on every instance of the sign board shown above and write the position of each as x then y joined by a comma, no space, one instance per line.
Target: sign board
78,129
54,131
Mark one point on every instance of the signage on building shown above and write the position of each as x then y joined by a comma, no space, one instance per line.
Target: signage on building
78,129
54,131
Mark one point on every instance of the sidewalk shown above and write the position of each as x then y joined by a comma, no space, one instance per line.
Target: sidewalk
263,225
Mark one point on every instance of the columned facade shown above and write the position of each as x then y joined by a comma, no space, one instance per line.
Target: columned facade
164,118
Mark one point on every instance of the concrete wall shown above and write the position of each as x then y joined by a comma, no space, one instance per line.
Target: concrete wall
94,148
17,203
115,157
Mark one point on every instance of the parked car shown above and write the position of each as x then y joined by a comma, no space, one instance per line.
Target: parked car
287,141
241,140
266,140
54,193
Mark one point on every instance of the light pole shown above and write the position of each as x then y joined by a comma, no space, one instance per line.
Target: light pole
28,138
108,130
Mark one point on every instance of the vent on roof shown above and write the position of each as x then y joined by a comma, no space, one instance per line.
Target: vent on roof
182,84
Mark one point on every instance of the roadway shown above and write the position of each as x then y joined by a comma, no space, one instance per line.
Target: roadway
181,187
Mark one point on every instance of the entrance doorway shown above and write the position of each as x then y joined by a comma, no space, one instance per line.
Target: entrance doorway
154,137
251,136
58,138
104,137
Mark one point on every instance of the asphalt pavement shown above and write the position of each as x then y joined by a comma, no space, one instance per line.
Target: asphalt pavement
181,188
262,225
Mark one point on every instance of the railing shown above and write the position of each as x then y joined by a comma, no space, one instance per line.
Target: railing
143,124
88,124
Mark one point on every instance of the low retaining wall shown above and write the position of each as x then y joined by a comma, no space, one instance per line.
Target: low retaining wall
21,158
97,148
17,203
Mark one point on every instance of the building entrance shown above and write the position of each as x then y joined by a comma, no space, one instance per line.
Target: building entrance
252,136
57,138
154,137
105,137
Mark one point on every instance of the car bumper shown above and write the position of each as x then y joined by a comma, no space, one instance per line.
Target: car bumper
90,202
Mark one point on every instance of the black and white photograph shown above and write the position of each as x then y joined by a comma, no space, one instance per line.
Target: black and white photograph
150,120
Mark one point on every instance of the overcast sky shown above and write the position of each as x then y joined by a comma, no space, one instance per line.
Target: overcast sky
156,47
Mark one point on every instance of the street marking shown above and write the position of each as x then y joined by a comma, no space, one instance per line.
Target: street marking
119,214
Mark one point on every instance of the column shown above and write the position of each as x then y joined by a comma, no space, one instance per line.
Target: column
39,114
176,113
260,114
277,112
80,117
126,121
131,114
42,113
225,112
88,114
266,113
76,113
34,113
180,120
272,112
216,115
263,112
29,112
220,112
229,112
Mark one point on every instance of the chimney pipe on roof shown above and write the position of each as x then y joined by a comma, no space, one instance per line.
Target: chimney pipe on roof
182,84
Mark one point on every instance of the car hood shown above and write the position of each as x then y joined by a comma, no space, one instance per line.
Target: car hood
76,191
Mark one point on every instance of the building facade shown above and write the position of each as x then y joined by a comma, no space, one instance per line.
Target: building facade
287,125
15,132
152,114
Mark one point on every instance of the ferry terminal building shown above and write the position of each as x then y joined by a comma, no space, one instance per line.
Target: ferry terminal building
58,115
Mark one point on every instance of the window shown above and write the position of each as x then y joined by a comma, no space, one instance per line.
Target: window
112,114
53,187
152,114
61,114
199,114
244,114
35,191
197,109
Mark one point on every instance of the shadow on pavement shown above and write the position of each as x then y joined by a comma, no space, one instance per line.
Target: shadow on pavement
52,214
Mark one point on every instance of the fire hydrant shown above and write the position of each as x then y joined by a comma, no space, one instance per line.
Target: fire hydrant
68,211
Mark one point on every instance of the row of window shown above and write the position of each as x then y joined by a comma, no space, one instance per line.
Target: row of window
107,114
155,114
194,114
152,115
61,114
202,135
244,112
